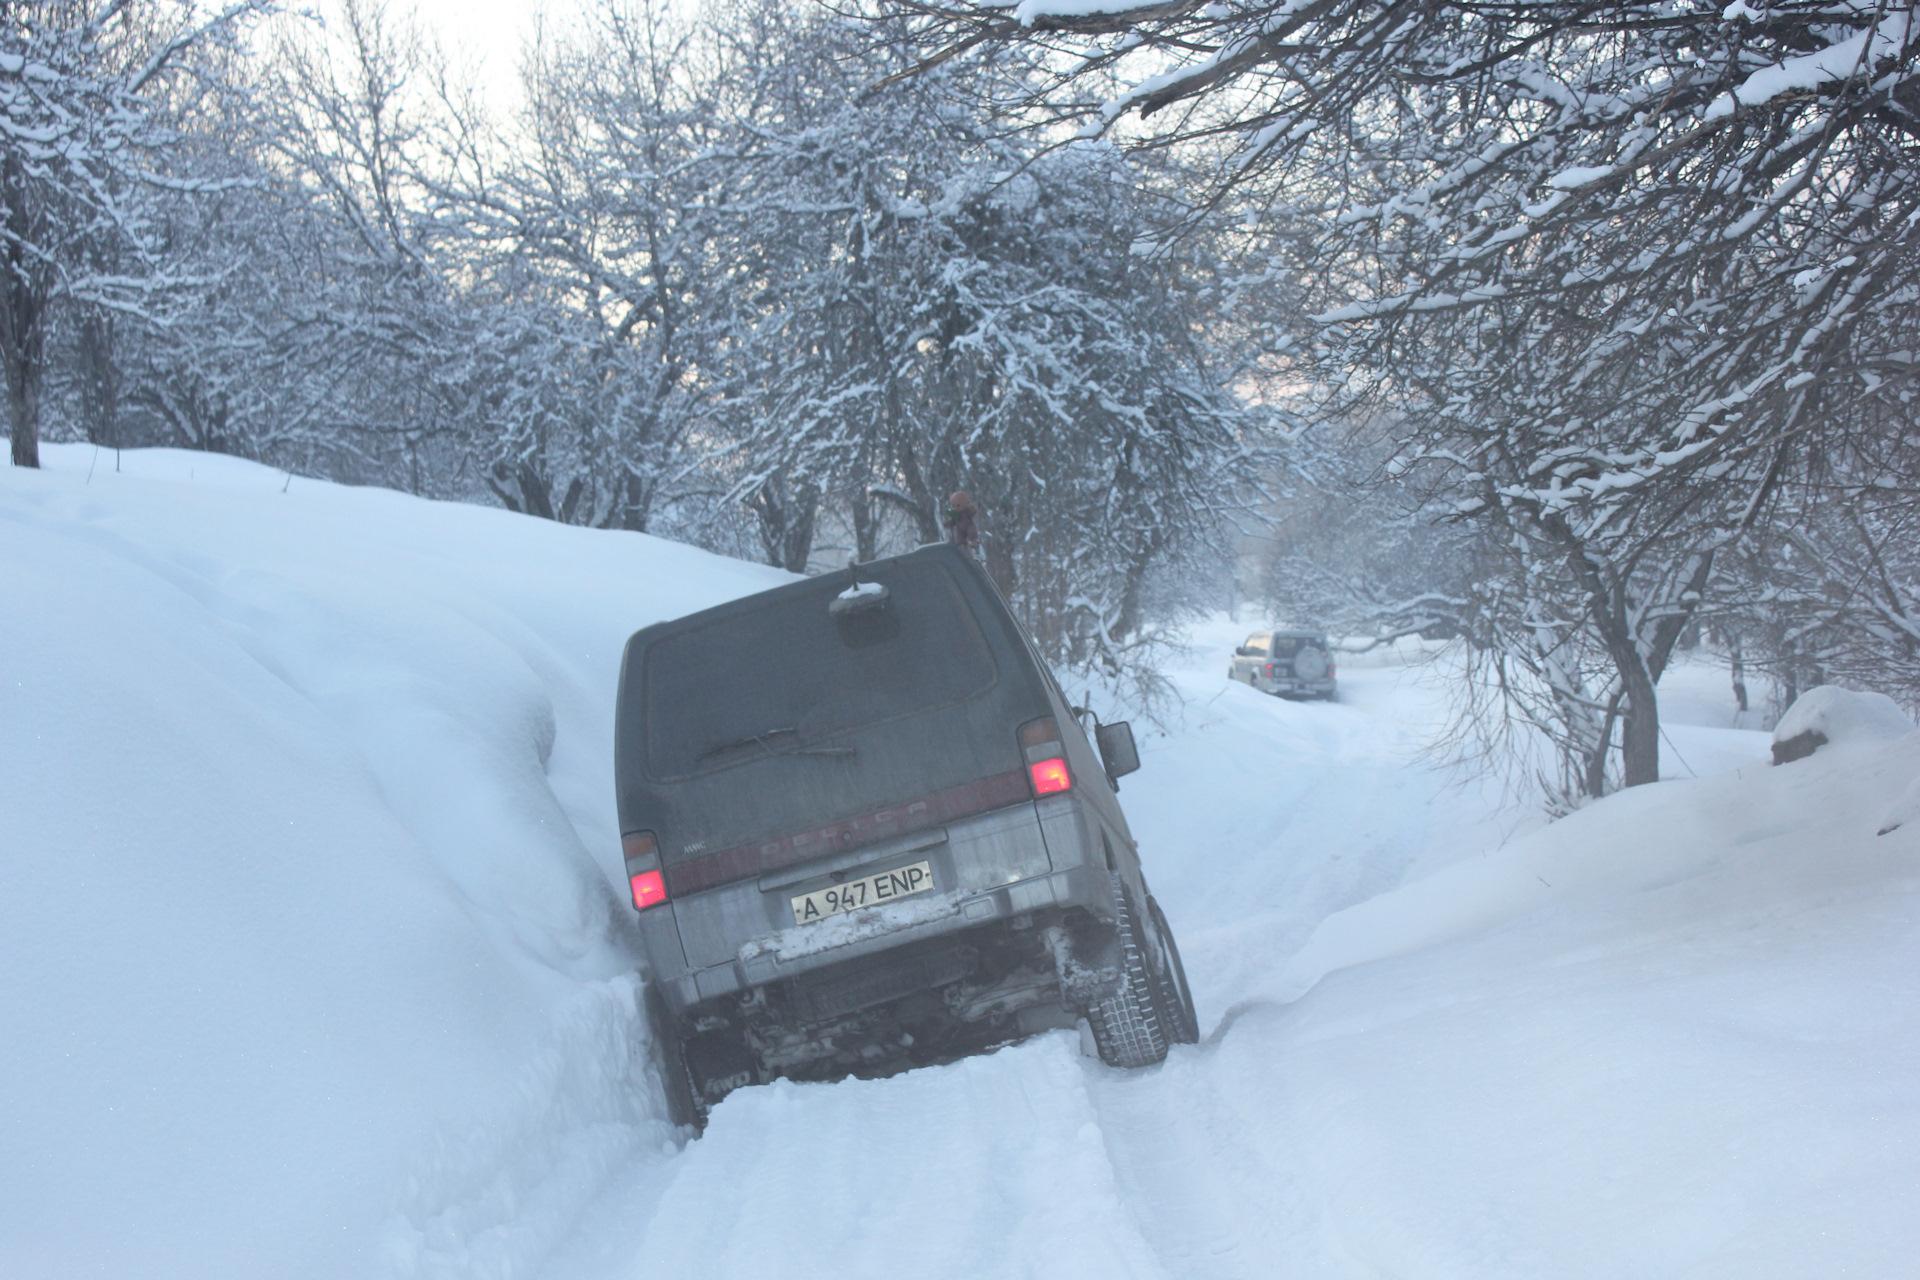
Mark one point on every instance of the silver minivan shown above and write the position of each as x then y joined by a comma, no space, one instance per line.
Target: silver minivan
865,831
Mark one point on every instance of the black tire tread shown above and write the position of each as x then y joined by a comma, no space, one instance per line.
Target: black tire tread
1177,1013
1127,1029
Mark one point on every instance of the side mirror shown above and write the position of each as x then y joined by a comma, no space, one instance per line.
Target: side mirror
1240,651
1117,751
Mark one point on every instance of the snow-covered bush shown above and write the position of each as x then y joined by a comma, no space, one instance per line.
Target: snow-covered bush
1830,714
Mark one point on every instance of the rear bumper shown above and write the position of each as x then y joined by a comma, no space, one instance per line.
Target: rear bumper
1297,688
791,952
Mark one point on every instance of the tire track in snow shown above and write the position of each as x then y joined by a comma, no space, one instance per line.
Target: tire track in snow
1183,1178
988,1167
1331,810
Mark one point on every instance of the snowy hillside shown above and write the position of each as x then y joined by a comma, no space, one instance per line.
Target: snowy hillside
316,965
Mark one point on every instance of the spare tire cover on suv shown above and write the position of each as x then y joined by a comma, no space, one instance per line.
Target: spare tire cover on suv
1310,663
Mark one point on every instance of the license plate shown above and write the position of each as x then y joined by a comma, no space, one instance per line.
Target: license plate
867,891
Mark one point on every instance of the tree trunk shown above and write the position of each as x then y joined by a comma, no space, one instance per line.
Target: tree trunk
23,406
1596,770
925,507
100,379
535,497
998,557
638,506
570,505
1135,583
786,522
23,305
1640,726
797,545
1640,672
1607,604
1739,669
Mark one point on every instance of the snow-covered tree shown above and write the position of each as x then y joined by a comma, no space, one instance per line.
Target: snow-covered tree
325,319
704,277
1831,592
929,304
603,205
1626,270
88,91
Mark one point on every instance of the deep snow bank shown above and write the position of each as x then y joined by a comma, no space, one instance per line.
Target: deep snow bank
314,963
1673,1034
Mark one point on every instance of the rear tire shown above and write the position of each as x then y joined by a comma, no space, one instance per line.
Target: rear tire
1126,1025
1177,1014
671,1064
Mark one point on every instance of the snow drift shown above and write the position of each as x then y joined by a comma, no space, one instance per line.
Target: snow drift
316,967
1829,713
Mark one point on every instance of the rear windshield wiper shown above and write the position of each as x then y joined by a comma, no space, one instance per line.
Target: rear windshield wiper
761,740
750,740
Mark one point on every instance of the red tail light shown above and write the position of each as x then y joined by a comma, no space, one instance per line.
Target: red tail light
1049,776
643,869
649,889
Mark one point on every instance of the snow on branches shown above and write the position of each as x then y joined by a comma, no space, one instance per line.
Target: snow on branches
88,99
1634,275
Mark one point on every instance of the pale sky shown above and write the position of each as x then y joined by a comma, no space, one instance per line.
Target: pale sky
487,33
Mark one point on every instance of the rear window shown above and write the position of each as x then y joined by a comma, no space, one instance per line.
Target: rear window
789,675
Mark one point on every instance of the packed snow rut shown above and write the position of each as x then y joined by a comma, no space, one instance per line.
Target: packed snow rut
1202,1199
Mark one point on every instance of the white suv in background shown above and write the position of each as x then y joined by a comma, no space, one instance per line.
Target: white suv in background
1292,664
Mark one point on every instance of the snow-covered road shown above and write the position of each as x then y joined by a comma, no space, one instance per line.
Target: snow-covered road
316,969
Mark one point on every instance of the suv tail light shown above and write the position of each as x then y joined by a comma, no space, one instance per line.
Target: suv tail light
1046,757
1270,670
643,869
